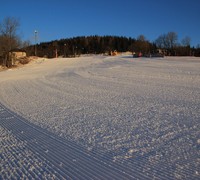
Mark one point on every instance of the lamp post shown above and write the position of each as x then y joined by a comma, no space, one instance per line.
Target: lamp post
65,50
35,43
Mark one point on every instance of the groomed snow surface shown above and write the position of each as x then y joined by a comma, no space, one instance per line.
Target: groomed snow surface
101,117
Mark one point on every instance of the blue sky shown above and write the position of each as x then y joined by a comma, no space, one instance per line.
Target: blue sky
57,19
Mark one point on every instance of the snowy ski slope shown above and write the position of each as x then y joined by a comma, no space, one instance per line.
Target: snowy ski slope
101,117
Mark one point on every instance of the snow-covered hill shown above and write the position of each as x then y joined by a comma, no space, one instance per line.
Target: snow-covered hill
143,113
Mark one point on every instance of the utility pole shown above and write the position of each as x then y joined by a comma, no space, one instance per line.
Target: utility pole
36,42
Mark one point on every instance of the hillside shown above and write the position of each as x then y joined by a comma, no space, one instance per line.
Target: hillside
138,114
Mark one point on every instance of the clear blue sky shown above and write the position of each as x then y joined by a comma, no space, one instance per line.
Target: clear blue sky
57,19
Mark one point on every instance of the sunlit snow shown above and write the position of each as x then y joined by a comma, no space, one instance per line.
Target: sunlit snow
140,112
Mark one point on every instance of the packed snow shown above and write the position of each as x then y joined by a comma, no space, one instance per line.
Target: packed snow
143,113
18,162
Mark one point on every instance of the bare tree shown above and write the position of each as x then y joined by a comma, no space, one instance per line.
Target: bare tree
161,41
8,36
167,42
172,38
25,44
186,41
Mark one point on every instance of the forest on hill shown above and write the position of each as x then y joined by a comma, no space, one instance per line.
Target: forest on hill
83,45
70,47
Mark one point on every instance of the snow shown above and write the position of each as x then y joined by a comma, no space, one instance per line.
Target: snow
142,113
19,162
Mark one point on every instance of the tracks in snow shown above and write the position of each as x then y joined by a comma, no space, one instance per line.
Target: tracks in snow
70,160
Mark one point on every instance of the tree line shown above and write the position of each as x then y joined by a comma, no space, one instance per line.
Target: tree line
167,44
82,45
